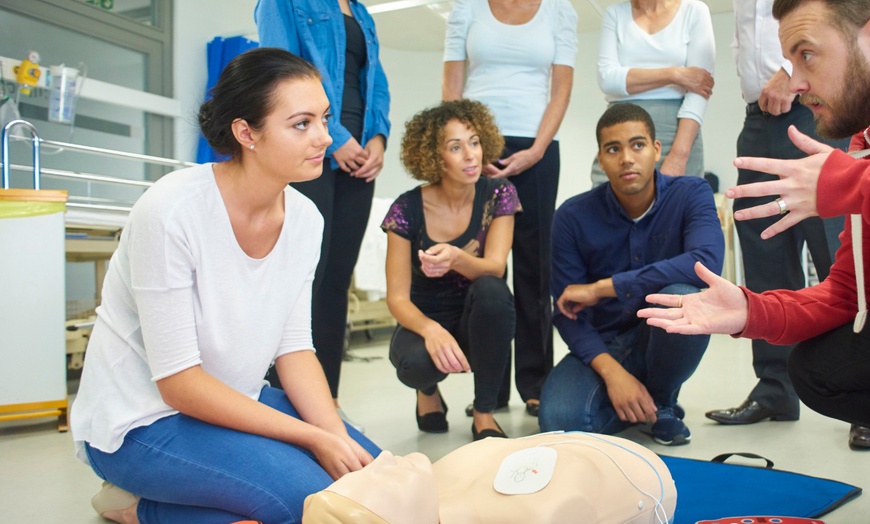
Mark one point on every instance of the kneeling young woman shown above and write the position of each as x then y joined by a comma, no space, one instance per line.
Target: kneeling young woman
211,283
447,248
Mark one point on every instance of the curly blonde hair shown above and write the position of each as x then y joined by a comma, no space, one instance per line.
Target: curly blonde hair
424,136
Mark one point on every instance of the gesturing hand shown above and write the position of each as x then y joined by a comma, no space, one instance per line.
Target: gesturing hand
796,186
720,309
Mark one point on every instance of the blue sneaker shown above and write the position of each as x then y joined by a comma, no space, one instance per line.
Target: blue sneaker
668,429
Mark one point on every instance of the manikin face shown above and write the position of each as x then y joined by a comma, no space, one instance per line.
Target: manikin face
398,489
628,156
293,139
461,153
831,73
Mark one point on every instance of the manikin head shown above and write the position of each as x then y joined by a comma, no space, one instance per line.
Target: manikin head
394,490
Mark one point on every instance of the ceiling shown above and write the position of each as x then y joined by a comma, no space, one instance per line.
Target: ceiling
416,25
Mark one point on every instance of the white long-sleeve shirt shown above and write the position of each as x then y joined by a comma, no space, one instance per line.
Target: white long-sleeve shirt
181,292
756,47
687,41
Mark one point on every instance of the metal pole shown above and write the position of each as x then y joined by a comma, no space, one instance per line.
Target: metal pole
111,152
7,129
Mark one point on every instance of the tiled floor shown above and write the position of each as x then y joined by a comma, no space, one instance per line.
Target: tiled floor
41,481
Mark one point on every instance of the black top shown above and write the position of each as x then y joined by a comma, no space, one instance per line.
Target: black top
443,298
352,102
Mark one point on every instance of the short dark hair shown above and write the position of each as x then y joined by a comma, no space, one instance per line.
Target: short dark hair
847,15
245,90
621,112
424,134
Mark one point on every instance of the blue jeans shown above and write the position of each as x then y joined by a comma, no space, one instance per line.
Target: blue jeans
575,396
190,471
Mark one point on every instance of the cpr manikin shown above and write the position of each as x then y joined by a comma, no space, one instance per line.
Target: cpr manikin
579,477
389,490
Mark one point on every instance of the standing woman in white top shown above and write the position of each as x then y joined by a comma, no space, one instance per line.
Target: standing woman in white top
211,283
660,54
520,62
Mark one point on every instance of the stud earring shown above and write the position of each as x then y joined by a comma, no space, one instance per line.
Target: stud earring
251,146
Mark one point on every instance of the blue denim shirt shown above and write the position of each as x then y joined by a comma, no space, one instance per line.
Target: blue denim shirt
314,30
593,239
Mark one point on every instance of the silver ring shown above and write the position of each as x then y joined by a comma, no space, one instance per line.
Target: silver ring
783,209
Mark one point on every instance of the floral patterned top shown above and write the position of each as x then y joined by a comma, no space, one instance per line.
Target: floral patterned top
443,298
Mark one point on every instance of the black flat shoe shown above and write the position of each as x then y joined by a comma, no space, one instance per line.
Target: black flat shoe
749,412
434,422
859,437
495,433
469,409
532,408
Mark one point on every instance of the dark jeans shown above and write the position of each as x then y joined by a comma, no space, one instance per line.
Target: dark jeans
484,332
190,471
575,396
345,203
831,374
775,263
533,353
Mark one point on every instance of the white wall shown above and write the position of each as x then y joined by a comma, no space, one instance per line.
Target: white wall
415,83
197,22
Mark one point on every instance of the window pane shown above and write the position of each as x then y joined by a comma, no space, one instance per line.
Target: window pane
141,11
57,45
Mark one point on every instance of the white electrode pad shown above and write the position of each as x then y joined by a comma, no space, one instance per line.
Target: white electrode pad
525,471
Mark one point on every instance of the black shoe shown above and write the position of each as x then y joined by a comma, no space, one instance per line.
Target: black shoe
859,437
469,409
532,408
749,412
434,422
495,433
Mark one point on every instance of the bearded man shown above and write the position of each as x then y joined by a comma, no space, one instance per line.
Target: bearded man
828,43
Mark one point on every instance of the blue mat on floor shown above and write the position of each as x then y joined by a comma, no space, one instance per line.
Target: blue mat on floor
713,490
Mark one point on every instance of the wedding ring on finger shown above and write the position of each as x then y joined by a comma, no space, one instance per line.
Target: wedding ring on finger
783,209
680,303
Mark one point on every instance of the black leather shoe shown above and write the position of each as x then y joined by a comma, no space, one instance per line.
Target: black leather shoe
533,408
480,435
859,437
749,412
434,422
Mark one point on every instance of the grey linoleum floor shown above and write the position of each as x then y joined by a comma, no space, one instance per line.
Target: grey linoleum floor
42,482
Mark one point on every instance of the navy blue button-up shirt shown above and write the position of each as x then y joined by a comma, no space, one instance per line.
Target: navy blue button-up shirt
594,239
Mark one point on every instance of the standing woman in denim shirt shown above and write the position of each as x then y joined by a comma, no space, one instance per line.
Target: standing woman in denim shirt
338,37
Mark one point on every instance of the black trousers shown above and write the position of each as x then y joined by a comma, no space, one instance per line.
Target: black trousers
533,347
345,203
831,374
775,263
483,331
